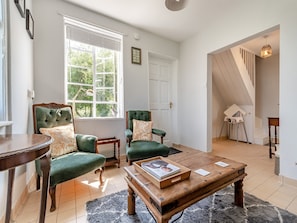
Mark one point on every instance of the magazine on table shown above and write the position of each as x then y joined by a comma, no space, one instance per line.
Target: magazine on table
160,168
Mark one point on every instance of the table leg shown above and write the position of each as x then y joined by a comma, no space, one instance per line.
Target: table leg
131,201
119,159
45,167
11,174
238,193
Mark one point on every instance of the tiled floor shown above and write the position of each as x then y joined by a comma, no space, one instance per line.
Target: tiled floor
72,195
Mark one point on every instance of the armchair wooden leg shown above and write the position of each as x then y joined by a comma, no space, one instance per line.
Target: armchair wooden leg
52,192
37,182
100,170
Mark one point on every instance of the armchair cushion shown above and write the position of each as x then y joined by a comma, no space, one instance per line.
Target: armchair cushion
142,130
63,139
145,149
73,165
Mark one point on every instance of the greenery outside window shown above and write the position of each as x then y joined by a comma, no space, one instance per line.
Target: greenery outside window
93,71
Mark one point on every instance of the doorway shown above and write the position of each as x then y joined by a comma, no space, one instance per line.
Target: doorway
162,100
266,100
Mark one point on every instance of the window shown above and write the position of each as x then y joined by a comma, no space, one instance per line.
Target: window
93,71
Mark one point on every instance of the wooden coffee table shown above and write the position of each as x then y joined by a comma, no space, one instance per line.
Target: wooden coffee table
164,203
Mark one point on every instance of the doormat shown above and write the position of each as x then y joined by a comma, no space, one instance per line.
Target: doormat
173,151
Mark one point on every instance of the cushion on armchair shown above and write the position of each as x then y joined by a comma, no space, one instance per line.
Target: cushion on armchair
63,139
142,130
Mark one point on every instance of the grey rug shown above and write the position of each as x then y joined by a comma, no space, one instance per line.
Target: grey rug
215,208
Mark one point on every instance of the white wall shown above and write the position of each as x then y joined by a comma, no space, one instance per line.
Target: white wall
218,108
49,62
21,80
244,20
267,89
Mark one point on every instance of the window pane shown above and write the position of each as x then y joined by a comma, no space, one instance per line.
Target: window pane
106,110
105,80
79,92
105,95
80,75
82,110
80,58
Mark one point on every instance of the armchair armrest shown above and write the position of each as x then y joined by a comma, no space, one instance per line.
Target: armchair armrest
160,133
128,134
86,143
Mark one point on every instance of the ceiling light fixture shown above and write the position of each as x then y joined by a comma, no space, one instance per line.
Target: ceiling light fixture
175,5
266,50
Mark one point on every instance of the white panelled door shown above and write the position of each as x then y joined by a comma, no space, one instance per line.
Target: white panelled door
160,95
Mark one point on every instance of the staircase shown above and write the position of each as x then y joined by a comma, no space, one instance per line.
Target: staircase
234,75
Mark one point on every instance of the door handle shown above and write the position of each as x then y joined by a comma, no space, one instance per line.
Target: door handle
170,104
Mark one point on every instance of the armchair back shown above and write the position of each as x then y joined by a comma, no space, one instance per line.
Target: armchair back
51,115
138,115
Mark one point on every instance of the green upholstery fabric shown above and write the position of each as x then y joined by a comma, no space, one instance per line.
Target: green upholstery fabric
51,117
138,150
138,115
145,149
86,143
71,165
128,134
159,132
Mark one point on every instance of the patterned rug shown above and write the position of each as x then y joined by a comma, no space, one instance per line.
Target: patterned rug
215,208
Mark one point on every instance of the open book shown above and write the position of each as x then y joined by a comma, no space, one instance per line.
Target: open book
160,168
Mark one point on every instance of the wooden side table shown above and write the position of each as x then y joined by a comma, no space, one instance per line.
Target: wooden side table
272,121
19,149
116,150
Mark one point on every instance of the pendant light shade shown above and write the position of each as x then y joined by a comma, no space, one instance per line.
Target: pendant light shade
175,5
266,50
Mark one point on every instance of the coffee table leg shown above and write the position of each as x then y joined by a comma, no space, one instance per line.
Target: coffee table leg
131,201
238,193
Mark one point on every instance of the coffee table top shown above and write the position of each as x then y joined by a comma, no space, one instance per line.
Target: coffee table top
218,176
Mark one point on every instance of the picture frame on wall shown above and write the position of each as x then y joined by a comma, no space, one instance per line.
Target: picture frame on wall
29,24
136,55
21,5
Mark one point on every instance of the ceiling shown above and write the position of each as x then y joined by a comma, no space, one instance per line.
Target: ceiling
153,16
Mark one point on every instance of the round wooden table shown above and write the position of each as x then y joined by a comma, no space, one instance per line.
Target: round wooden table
19,149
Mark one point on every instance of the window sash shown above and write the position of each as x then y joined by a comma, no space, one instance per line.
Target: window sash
106,94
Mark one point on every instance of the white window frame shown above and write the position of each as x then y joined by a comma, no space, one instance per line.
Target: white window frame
97,37
3,63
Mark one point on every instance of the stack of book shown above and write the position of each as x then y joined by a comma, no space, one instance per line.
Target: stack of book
161,171
160,168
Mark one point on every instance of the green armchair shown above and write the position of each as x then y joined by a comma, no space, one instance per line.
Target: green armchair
142,149
72,154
